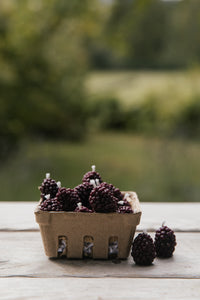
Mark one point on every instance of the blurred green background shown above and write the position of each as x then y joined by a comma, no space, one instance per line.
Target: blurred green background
114,83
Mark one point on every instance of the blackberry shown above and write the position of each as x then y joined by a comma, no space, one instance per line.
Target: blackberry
51,205
165,241
83,190
81,208
69,198
102,200
143,249
92,175
49,186
115,191
125,209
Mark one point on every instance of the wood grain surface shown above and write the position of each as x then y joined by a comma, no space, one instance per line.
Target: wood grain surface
26,273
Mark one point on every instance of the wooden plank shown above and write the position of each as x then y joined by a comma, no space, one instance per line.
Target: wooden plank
99,289
21,254
17,216
179,216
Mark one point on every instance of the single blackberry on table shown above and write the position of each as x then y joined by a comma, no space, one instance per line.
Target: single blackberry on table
69,198
125,209
48,186
83,190
81,208
92,175
165,241
51,205
102,200
143,249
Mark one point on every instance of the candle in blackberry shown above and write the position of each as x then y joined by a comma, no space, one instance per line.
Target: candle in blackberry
92,175
48,186
143,249
115,191
81,208
165,241
83,190
69,198
102,200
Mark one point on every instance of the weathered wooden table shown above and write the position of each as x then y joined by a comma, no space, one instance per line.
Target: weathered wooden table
26,273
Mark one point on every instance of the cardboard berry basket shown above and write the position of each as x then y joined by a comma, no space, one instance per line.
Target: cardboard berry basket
99,230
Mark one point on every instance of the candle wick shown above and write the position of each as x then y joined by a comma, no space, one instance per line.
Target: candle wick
121,202
93,168
97,181
59,184
79,204
92,181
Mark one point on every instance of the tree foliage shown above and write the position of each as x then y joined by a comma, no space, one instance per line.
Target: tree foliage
42,67
151,34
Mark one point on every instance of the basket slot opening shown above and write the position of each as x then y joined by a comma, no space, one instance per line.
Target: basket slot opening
113,247
62,246
88,244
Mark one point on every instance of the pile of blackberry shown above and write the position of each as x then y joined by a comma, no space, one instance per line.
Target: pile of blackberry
144,249
93,194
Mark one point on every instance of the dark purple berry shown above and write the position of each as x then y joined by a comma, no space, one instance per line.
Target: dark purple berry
102,200
83,190
51,205
92,175
123,209
48,187
143,249
115,191
165,242
69,198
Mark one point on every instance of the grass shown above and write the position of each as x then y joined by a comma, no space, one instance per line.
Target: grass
173,88
157,169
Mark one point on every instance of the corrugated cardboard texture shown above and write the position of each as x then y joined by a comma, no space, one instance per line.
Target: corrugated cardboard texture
76,227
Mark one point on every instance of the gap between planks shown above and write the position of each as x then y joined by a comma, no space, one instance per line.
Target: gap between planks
99,289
